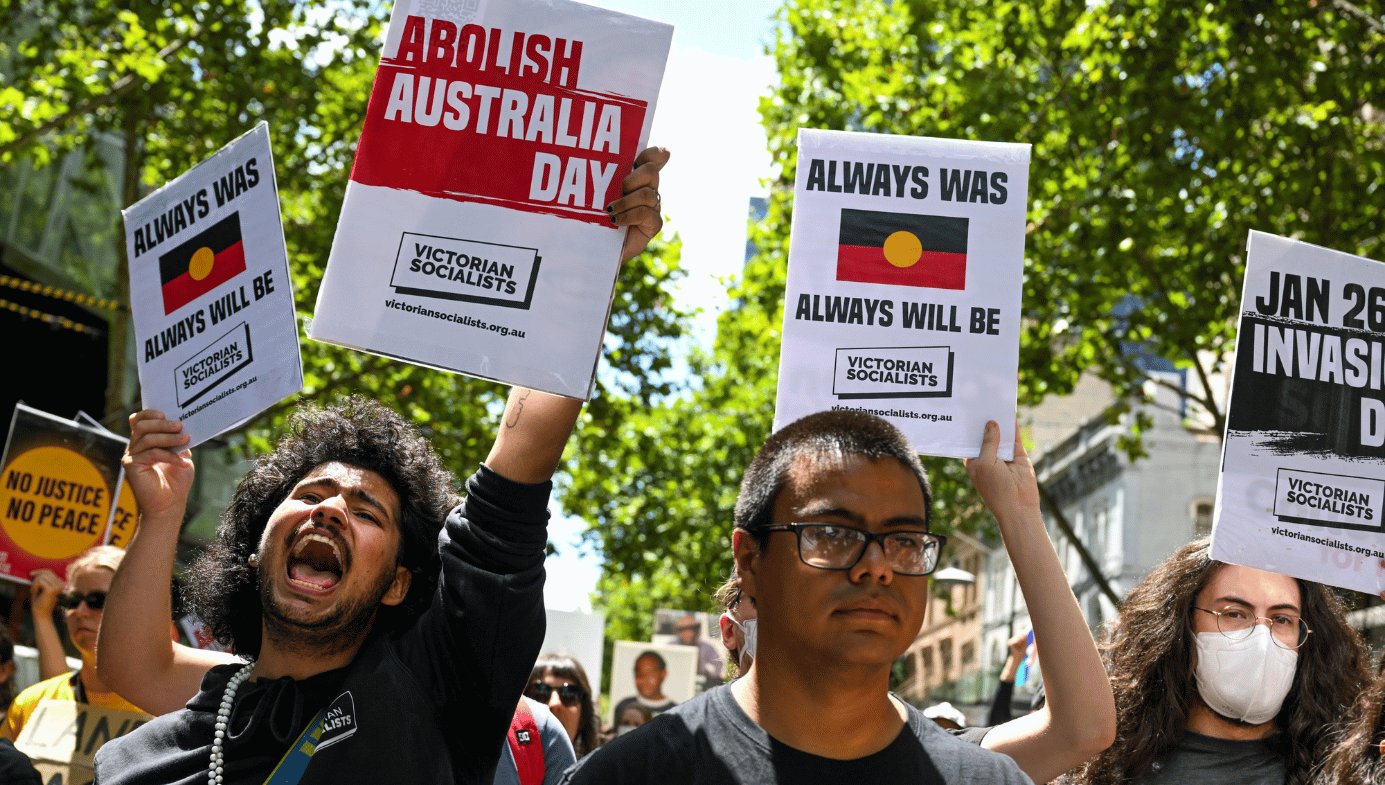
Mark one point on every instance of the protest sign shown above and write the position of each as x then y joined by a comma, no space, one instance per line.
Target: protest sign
474,236
126,517
61,738
55,493
1302,486
215,330
906,264
655,675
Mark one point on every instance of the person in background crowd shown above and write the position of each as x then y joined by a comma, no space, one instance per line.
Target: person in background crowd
88,579
689,631
1000,711
526,760
560,682
650,672
947,716
1225,675
738,626
634,716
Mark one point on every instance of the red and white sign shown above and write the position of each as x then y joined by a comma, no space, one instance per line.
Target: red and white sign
474,236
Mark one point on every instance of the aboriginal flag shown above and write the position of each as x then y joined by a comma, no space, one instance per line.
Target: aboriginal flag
902,249
203,263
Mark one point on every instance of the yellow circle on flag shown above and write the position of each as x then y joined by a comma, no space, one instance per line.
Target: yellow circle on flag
201,265
53,502
903,249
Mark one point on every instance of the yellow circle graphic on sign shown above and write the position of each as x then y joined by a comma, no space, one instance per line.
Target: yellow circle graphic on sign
53,502
903,249
201,265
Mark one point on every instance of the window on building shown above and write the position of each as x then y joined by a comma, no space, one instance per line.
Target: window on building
945,654
1202,517
926,655
968,653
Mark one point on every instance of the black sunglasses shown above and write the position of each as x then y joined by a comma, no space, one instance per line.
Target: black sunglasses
95,600
569,694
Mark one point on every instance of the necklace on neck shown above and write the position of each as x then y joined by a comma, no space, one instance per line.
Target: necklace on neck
223,722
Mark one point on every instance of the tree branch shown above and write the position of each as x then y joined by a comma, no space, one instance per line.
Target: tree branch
121,87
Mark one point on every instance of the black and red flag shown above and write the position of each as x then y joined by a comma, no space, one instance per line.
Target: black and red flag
902,249
203,263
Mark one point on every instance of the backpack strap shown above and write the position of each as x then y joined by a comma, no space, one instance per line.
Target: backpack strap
526,746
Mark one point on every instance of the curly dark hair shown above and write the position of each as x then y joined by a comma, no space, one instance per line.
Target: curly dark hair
1356,757
1151,657
564,666
824,434
223,589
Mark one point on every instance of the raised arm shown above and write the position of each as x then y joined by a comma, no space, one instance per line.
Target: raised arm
536,425
44,588
136,656
1079,717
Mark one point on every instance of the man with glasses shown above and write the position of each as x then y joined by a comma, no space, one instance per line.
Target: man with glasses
83,598
1226,674
832,544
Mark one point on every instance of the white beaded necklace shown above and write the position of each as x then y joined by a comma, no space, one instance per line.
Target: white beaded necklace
223,722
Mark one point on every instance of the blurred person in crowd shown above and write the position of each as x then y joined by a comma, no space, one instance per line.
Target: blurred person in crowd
650,672
689,631
832,542
947,716
634,715
341,571
537,749
738,626
84,598
560,682
8,669
1225,674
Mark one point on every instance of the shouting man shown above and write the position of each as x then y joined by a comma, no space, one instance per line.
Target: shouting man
386,645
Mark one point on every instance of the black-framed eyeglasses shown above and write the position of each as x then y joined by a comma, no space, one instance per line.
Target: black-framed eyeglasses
96,600
542,691
832,546
1287,630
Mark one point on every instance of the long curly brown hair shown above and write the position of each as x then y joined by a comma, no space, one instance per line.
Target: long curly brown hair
1150,656
224,589
1356,757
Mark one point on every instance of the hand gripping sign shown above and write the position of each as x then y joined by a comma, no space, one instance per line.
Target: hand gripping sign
905,274
474,236
1302,486
215,328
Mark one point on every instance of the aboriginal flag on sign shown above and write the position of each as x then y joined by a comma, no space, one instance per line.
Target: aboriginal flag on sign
203,263
902,249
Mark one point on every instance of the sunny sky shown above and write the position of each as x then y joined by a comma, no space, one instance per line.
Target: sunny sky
707,116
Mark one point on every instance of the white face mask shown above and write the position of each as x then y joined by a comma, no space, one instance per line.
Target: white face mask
748,647
1246,679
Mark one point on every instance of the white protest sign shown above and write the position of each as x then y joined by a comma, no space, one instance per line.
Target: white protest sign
474,235
62,737
1302,486
216,336
906,265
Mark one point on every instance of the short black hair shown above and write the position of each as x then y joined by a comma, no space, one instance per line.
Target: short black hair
834,433
654,655
224,590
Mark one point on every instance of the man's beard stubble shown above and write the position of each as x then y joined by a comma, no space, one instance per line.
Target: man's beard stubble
338,631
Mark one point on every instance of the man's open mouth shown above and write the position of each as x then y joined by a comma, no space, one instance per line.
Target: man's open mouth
316,561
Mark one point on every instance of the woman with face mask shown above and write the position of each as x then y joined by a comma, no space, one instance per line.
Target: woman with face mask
1225,675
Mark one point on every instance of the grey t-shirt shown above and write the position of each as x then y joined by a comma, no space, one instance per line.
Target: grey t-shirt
710,739
557,749
1203,759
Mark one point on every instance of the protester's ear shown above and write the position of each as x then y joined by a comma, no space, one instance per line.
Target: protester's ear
398,590
747,555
